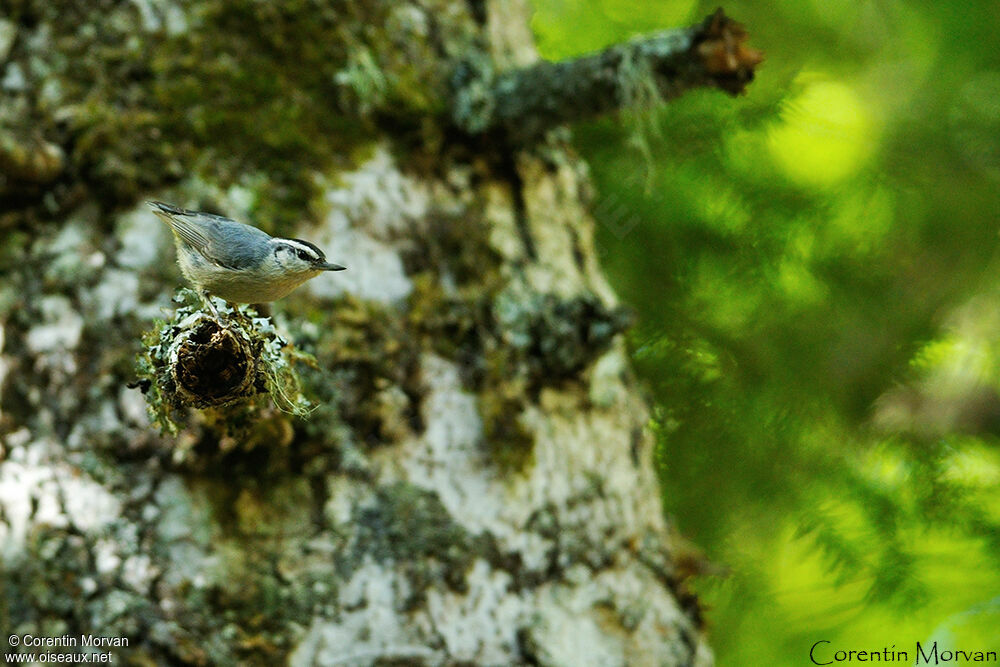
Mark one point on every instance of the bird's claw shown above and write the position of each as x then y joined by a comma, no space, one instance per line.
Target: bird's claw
206,297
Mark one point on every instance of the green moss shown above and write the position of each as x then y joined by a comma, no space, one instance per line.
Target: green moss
362,77
115,151
555,337
509,442
280,509
230,87
409,526
508,342
461,329
55,583
449,324
278,88
371,363
455,275
474,102
458,247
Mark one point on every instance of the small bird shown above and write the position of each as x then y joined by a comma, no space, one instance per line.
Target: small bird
236,261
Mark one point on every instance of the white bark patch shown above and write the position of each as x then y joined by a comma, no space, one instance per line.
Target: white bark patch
144,243
509,29
561,229
74,254
132,408
8,32
553,212
448,458
481,626
498,210
566,634
581,467
610,618
369,210
606,388
4,369
656,622
578,452
106,558
379,199
345,497
34,494
88,504
117,295
60,328
52,344
374,269
138,572
186,525
161,15
371,630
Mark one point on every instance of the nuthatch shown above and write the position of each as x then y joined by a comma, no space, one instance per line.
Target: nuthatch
236,261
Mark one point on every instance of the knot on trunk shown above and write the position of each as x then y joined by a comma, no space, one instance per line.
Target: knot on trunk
212,365
197,361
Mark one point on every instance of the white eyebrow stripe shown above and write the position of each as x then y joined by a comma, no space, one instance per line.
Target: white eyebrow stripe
300,246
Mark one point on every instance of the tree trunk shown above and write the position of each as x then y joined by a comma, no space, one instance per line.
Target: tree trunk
475,485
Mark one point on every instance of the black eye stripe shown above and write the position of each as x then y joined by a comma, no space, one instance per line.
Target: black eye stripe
301,253
317,253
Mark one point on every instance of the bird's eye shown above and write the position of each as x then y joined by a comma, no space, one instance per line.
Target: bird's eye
303,255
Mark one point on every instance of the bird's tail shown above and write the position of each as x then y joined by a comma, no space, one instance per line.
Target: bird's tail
160,207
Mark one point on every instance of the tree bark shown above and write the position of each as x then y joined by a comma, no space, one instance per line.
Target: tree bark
475,485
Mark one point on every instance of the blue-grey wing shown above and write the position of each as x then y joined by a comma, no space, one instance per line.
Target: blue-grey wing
235,245
220,240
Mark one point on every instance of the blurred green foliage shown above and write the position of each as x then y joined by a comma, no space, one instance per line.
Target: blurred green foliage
815,268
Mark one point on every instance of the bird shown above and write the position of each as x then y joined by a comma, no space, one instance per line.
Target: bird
236,261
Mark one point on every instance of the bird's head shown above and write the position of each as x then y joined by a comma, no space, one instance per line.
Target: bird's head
295,256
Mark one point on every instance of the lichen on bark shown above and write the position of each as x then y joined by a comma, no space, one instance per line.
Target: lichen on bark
197,361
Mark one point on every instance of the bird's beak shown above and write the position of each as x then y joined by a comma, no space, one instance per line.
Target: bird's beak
326,266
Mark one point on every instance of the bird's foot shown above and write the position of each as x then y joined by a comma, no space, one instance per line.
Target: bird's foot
207,298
